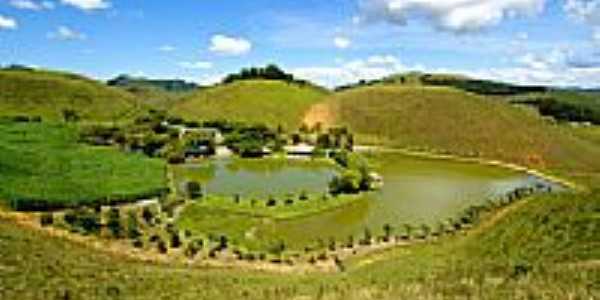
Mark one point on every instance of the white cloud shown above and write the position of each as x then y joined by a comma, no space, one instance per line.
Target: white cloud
373,67
199,65
449,15
596,35
65,33
88,4
226,45
8,23
32,5
166,48
342,42
584,10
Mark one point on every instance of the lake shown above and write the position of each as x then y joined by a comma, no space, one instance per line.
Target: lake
416,191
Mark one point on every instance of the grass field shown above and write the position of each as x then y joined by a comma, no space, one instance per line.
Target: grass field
43,165
48,93
545,249
271,102
442,119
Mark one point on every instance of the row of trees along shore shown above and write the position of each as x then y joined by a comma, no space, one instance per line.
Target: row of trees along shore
149,227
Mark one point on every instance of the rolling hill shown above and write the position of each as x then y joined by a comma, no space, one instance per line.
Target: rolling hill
48,93
254,101
447,120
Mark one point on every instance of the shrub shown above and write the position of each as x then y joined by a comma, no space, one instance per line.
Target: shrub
194,190
271,202
192,249
367,237
348,183
387,231
162,246
138,243
46,219
133,231
114,222
175,240
147,215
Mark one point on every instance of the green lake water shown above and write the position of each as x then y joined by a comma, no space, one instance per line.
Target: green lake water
416,191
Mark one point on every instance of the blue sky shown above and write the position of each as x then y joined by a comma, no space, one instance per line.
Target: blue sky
331,42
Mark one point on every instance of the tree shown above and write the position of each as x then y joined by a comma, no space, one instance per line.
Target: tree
408,230
387,231
162,246
175,239
425,231
367,237
147,215
46,219
133,231
324,141
332,244
70,115
114,222
350,242
223,243
349,182
194,190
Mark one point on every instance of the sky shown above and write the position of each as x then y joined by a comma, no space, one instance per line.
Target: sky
331,42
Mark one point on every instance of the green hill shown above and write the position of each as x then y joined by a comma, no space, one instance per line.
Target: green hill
443,119
47,94
43,166
255,101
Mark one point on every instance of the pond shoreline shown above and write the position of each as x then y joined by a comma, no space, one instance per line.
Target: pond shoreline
481,161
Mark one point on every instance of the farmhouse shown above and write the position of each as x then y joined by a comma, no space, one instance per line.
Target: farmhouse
302,149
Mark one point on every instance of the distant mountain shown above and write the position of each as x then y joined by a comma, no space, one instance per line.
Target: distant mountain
477,86
169,85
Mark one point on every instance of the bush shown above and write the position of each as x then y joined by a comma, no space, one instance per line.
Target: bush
114,223
83,220
46,219
138,243
194,190
175,240
162,246
348,183
133,231
271,202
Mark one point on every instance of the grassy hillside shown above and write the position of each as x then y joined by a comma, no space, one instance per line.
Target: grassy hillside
448,120
48,94
42,166
271,102
545,249
153,97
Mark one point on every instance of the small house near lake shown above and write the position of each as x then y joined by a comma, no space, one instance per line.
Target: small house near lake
302,149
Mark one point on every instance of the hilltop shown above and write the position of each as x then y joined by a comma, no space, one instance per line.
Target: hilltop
272,102
48,94
448,120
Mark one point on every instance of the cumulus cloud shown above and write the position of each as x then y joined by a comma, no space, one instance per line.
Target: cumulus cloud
64,33
341,42
88,5
32,5
199,65
584,10
373,67
449,15
7,23
232,46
